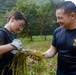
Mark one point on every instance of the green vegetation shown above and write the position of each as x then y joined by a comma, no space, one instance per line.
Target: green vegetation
48,66
40,15
24,65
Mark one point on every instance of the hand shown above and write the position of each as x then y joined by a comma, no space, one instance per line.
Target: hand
13,51
17,44
37,55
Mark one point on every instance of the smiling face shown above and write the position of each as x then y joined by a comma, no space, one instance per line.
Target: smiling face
64,19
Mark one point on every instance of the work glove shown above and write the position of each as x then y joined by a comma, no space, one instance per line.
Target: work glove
17,44
14,51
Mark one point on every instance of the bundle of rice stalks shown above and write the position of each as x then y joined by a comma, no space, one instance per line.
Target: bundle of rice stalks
19,64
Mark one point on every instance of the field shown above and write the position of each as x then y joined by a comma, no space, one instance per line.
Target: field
48,66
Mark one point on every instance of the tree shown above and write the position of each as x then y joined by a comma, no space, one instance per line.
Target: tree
40,16
46,13
5,6
29,9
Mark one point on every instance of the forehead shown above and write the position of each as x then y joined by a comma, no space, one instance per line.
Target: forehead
21,21
60,12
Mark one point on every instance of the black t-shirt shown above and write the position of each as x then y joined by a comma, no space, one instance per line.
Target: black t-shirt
65,42
5,38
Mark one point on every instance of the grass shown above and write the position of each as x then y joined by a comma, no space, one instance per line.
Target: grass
37,43
48,67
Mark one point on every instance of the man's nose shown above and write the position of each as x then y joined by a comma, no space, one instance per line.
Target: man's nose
58,21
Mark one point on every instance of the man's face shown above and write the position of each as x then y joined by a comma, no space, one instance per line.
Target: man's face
62,18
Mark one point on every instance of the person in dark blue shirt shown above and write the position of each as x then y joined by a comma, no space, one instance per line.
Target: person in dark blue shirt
8,41
64,39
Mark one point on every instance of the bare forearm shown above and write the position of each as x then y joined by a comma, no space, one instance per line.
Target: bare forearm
51,52
5,48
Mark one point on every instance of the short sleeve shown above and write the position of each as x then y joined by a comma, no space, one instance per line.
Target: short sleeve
2,37
54,39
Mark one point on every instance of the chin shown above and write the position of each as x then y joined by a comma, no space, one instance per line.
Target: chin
62,25
15,31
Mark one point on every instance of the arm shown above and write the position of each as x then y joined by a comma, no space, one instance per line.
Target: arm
50,52
6,48
15,45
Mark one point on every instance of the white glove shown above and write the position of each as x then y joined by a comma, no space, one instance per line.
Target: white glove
17,44
13,51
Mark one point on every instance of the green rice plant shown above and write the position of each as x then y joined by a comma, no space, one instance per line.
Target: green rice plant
19,64
32,67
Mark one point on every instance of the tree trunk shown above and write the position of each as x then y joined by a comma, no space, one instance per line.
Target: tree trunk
45,34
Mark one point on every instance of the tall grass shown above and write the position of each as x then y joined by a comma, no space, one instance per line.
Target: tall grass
48,67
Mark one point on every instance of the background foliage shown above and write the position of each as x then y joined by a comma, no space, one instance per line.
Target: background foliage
40,15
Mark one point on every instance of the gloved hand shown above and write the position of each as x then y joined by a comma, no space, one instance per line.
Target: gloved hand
13,51
17,44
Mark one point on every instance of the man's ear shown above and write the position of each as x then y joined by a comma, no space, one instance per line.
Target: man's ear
73,15
12,18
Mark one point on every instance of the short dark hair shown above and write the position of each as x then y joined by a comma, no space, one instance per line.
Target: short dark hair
68,7
18,16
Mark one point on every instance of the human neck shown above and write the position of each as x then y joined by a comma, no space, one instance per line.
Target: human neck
72,26
7,26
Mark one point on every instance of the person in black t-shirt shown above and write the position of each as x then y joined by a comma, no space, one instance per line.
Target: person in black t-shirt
64,40
8,43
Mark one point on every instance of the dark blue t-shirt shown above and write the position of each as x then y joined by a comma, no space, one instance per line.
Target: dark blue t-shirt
5,38
65,42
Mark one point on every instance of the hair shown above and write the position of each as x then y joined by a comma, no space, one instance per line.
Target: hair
18,16
68,7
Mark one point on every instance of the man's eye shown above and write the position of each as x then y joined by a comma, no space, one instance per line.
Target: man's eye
60,18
